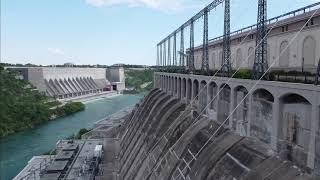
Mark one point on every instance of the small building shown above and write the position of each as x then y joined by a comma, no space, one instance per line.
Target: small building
117,78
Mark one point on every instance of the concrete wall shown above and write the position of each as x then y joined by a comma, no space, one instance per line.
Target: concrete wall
165,138
68,82
65,72
115,74
120,86
284,115
35,77
243,46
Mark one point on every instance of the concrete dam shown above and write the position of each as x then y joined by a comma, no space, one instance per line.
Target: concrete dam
164,138
168,135
73,82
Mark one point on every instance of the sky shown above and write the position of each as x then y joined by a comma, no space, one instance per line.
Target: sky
111,31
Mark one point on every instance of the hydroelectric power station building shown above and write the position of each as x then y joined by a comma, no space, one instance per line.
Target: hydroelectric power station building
72,82
281,107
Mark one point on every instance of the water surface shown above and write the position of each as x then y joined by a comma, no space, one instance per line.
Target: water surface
17,149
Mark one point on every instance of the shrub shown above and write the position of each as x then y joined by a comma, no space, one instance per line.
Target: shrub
243,74
68,109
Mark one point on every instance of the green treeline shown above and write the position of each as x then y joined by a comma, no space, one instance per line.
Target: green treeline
139,80
68,109
22,107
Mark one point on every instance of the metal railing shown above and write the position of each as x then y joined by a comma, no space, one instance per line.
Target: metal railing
275,19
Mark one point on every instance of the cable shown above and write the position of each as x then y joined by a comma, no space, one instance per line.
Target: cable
224,84
213,98
258,81
214,75
246,95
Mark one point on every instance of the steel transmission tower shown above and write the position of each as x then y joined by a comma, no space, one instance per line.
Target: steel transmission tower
164,53
318,74
175,49
182,47
191,54
190,22
161,62
169,52
205,57
226,56
260,63
158,59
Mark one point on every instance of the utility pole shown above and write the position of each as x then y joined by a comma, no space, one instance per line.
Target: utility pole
165,53
182,47
175,49
226,55
260,63
161,62
157,64
205,57
169,52
318,74
191,56
302,65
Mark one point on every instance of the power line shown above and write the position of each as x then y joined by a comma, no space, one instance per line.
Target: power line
229,78
209,7
255,84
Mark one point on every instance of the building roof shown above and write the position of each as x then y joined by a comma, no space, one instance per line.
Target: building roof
70,147
53,176
57,166
64,155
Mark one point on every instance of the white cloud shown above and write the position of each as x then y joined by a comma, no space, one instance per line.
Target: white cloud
56,51
163,5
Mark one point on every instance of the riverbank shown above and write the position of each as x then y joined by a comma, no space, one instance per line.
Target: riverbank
17,149
53,113
100,98
91,97
24,107
67,109
115,118
107,126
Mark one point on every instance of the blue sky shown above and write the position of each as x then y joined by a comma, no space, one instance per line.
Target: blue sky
110,31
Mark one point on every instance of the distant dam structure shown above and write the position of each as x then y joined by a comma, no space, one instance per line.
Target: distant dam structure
72,82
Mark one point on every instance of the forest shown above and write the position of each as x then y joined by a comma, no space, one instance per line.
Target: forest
139,80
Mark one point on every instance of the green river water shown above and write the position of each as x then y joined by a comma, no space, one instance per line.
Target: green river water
17,149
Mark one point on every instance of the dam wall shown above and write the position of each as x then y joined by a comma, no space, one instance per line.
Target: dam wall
65,72
283,115
166,137
69,82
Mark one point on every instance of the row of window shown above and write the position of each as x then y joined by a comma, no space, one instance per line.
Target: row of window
283,29
308,54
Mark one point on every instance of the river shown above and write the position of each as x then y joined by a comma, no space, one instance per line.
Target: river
17,149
